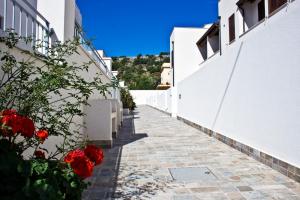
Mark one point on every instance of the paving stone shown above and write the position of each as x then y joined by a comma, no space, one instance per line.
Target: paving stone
137,167
244,188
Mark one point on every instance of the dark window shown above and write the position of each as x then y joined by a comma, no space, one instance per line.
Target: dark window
261,10
231,24
1,23
274,4
172,63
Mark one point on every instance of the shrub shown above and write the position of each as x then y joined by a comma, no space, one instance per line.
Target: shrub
40,96
127,99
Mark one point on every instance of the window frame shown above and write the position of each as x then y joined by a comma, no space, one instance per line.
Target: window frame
274,9
263,4
1,22
231,28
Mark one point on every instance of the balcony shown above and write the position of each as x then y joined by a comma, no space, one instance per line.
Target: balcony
91,50
23,18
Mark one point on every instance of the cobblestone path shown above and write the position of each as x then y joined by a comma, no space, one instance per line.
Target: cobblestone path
158,157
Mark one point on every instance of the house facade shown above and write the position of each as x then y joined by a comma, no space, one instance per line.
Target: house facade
165,77
241,84
52,21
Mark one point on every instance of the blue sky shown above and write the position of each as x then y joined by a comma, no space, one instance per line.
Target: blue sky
130,27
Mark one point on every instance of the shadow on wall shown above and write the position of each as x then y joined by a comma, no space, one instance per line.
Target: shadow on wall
113,180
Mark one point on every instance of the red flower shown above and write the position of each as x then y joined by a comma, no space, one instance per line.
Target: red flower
73,154
27,127
82,166
42,135
8,112
17,124
39,154
94,154
11,119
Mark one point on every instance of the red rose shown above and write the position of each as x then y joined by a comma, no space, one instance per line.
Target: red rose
27,127
82,166
39,154
72,154
94,154
42,135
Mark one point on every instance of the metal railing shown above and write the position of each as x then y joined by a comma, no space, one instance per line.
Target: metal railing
90,49
23,18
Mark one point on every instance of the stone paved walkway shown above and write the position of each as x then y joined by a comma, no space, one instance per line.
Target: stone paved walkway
146,150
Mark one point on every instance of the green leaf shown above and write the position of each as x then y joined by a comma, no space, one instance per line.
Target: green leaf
39,167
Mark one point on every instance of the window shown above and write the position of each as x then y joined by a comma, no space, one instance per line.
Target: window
261,10
172,63
203,49
231,25
1,23
274,4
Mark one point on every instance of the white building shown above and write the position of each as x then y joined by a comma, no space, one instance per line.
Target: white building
166,76
60,20
239,80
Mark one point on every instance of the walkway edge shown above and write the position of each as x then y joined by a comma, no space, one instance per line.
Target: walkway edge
284,168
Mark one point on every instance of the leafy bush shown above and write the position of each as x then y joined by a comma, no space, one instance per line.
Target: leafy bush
40,96
127,99
142,72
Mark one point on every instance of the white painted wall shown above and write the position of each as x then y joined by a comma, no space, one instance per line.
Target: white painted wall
252,96
166,76
160,99
187,56
186,53
54,12
70,14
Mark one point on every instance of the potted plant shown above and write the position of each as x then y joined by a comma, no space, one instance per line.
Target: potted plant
127,100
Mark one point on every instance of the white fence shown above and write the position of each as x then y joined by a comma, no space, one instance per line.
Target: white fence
160,99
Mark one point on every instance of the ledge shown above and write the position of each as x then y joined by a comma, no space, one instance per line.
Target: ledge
278,9
253,27
217,52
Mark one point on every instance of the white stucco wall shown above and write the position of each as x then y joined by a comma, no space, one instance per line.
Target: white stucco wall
252,96
186,53
70,14
166,76
187,56
54,12
160,99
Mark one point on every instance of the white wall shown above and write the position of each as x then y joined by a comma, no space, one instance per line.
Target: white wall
54,12
186,53
160,99
70,14
252,96
166,76
187,56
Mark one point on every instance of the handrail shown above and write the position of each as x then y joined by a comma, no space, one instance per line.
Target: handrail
29,23
89,47
35,10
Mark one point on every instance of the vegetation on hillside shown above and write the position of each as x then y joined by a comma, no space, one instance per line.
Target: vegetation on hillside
141,72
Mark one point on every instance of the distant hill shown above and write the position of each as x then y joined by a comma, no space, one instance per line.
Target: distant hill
141,72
